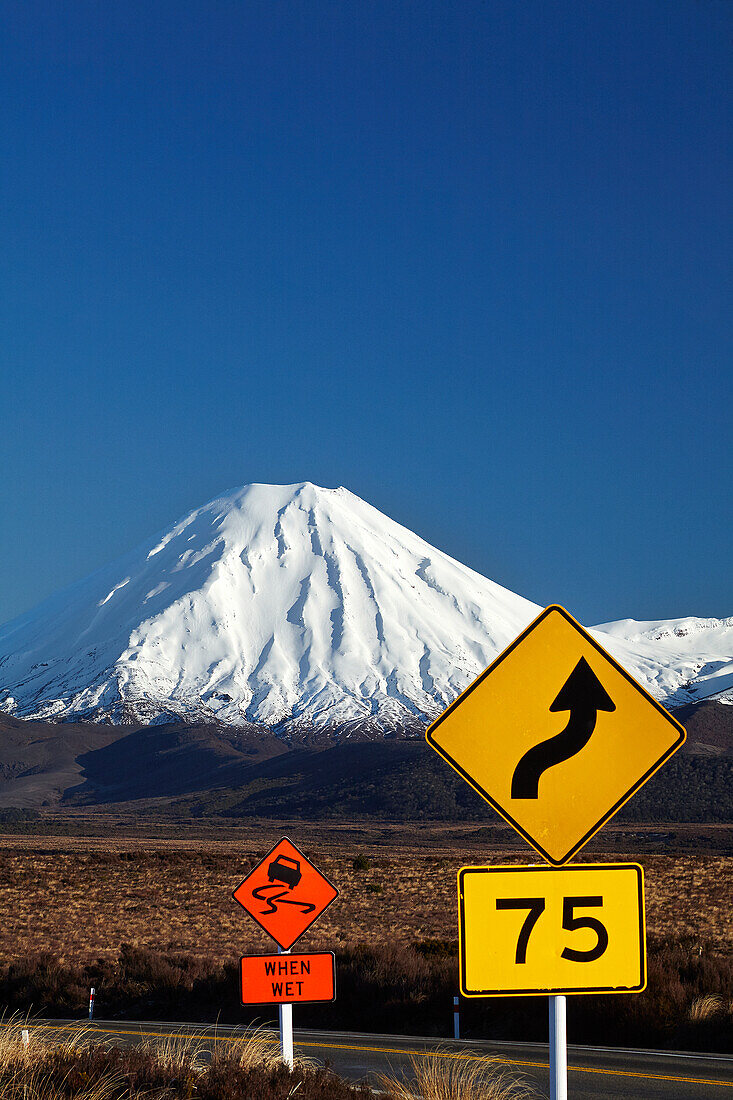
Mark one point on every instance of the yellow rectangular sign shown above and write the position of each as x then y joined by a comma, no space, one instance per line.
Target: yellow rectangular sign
526,931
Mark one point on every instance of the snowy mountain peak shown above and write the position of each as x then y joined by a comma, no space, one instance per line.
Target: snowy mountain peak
271,603
289,605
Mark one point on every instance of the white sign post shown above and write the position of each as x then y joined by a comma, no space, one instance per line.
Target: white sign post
285,1013
558,1049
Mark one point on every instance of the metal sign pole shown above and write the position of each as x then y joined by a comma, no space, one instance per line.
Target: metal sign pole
285,1014
558,1050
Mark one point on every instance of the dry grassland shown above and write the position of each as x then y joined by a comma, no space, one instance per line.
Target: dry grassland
80,899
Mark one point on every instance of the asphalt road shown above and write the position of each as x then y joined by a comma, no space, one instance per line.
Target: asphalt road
594,1073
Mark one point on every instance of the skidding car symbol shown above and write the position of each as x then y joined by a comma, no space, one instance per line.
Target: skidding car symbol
280,871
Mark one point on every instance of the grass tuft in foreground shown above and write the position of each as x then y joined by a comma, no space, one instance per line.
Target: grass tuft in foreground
81,1068
442,1076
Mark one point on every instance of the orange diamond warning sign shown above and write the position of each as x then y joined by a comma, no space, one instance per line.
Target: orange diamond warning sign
285,893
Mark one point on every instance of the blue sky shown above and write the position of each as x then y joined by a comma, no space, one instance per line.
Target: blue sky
470,260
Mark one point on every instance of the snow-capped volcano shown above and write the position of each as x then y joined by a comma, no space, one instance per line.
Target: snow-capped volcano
269,604
291,606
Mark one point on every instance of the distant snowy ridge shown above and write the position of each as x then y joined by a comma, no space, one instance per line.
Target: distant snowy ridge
699,650
296,607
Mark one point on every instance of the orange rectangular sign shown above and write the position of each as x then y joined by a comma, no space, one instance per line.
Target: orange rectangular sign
284,979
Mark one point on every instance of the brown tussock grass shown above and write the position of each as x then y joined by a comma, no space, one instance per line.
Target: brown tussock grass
708,1007
441,1076
80,901
78,1067
23,1074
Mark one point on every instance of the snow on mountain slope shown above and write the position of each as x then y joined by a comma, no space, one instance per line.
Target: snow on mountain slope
699,650
270,604
292,606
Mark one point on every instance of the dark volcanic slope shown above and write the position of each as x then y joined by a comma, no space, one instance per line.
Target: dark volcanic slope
209,769
709,726
39,760
406,780
171,760
43,763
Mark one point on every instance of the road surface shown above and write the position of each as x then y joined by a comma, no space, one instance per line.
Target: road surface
594,1073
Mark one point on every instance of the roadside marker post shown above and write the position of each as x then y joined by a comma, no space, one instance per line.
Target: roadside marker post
456,1018
556,736
91,1003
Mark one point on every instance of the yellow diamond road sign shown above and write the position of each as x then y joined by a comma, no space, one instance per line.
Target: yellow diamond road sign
556,735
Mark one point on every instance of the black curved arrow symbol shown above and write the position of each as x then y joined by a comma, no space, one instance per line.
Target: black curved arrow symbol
272,901
583,695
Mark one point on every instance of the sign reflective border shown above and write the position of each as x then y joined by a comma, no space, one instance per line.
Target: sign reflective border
526,931
285,979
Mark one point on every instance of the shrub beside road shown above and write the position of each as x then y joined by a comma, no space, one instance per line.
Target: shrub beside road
394,988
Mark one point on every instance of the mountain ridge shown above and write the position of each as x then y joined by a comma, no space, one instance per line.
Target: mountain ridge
299,608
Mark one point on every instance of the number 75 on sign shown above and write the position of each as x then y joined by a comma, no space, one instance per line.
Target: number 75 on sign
526,931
